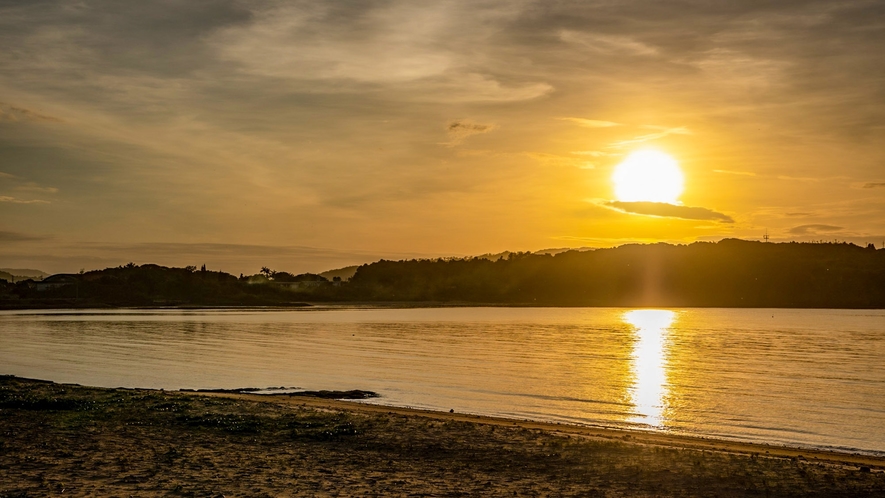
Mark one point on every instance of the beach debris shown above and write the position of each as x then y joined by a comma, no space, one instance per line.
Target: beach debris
352,394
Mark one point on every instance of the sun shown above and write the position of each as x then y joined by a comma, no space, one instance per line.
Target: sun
648,176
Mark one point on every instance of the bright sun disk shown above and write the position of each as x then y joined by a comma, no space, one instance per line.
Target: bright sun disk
648,176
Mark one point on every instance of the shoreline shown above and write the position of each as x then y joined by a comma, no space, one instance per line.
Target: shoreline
357,401
629,436
82,441
626,435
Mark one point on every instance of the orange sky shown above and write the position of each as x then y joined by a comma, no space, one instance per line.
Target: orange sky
311,135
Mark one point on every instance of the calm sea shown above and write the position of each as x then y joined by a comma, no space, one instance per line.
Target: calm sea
801,377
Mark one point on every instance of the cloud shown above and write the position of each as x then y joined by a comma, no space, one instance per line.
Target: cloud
591,153
681,130
371,45
874,185
22,186
557,160
613,44
662,131
814,229
13,113
6,236
33,187
422,50
592,123
803,179
13,200
473,87
666,210
428,51
730,172
459,129
222,115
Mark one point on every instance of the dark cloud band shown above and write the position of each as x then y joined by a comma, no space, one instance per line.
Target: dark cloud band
669,211
6,236
813,229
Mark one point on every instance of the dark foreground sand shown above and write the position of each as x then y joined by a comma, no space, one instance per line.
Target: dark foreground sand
77,441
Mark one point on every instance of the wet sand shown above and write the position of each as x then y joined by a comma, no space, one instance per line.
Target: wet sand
79,441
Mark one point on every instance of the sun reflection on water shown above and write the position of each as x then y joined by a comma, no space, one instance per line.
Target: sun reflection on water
649,390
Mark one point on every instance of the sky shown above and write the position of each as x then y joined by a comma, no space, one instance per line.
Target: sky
310,135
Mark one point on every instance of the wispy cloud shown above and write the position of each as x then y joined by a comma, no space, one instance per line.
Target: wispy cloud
591,153
460,129
13,113
592,123
17,183
557,160
6,236
219,116
730,172
681,130
803,179
13,200
33,187
386,45
612,44
666,210
874,185
814,229
421,49
474,87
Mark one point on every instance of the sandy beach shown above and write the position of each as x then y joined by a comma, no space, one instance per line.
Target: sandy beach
79,441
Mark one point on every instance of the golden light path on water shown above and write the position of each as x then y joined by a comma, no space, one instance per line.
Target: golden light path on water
649,392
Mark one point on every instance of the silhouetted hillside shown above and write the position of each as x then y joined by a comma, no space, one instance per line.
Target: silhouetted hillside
730,273
145,285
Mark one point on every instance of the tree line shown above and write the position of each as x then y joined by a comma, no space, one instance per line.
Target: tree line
728,273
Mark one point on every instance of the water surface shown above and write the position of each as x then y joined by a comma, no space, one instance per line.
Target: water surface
801,377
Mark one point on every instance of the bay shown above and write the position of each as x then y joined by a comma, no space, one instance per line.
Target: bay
812,378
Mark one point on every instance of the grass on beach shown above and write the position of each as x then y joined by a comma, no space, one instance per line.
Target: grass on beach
79,441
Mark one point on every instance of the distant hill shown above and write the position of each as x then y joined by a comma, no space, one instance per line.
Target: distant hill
144,285
730,273
21,274
506,254
564,249
345,273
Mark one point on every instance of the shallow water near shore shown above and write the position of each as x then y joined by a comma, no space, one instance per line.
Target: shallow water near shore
800,377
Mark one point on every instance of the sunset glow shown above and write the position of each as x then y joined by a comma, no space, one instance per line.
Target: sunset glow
396,130
487,248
